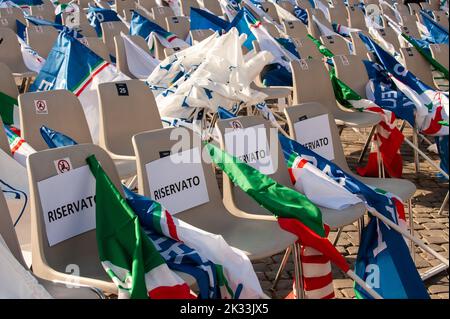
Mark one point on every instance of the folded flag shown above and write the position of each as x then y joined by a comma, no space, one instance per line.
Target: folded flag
74,67
386,204
20,149
55,139
71,31
9,110
431,105
387,138
96,16
301,14
126,253
33,61
294,212
203,20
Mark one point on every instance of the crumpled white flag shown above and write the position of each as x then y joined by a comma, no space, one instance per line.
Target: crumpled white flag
140,63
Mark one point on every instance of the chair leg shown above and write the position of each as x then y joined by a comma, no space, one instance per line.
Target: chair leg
416,153
366,145
298,272
360,227
411,230
287,253
336,239
444,203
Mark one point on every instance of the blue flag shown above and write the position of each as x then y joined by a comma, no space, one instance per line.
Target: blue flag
438,33
301,14
203,20
142,26
98,15
385,263
242,23
442,144
386,95
57,26
55,139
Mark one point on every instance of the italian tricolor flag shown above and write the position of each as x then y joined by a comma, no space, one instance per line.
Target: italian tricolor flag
126,253
9,110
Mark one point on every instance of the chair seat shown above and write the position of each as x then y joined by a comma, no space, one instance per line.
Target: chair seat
339,218
23,73
258,239
125,168
276,92
61,291
400,187
356,119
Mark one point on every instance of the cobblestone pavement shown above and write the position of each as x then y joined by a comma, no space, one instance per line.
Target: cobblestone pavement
429,226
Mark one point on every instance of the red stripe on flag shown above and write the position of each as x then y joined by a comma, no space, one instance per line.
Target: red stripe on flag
316,259
315,283
434,124
17,146
173,292
171,226
90,79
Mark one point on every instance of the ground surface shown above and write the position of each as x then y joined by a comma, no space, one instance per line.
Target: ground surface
429,226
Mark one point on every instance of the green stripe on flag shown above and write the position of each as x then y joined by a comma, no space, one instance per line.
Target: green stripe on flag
282,201
7,105
439,67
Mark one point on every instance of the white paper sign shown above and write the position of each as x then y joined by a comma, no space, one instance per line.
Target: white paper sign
315,134
178,186
250,145
68,204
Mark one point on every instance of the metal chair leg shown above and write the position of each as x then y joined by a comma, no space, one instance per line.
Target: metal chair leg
360,227
367,144
416,153
411,230
444,203
287,253
336,239
299,288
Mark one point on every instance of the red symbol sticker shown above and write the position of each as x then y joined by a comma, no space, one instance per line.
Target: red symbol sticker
41,106
63,165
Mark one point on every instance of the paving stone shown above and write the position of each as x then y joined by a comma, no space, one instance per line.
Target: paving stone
435,289
433,226
435,240
342,283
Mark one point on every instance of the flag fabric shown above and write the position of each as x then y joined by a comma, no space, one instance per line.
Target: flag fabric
13,179
71,31
295,213
140,63
139,25
9,110
227,272
387,204
126,253
387,138
431,105
384,262
33,61
20,149
74,67
97,15
437,33
443,149
230,8
55,139
301,14
383,92
203,20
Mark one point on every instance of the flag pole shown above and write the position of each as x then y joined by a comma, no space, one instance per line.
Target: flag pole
417,241
363,284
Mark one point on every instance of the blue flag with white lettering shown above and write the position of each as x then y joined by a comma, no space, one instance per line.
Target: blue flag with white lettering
98,15
438,34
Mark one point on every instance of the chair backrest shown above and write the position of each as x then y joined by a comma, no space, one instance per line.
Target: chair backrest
59,110
435,4
262,140
148,4
4,145
352,71
43,11
69,19
150,146
410,28
359,48
356,18
441,18
310,110
122,5
440,53
7,231
390,36
186,6
213,6
8,17
160,14
338,15
417,64
87,30
271,10
286,5
126,108
10,53
414,8
271,28
295,29
80,250
312,27
304,4
159,49
306,48
335,43
200,35
180,26
306,74
109,31
97,46
121,55
41,39
426,6
7,84
403,9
